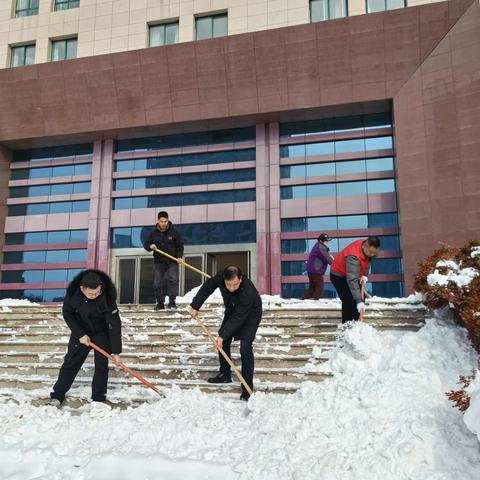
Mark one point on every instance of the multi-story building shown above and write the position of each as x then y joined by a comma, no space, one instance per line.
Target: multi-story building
256,124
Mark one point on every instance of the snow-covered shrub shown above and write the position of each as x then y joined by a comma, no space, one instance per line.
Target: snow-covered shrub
451,277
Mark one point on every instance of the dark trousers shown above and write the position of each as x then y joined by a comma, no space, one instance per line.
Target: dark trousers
165,281
349,305
76,355
315,286
246,354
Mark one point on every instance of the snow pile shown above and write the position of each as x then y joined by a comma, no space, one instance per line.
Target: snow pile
14,302
383,415
472,414
460,276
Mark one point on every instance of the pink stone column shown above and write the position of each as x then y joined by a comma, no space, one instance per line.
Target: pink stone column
262,211
100,206
273,141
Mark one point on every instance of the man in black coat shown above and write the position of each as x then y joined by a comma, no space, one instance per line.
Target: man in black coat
165,237
243,312
91,313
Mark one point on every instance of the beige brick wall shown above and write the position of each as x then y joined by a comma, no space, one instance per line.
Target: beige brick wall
105,26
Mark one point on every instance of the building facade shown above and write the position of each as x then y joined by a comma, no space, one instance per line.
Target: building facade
255,143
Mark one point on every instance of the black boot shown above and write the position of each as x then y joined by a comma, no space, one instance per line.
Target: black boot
171,302
159,306
220,378
245,395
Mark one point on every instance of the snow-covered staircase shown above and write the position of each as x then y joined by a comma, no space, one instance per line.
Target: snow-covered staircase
168,347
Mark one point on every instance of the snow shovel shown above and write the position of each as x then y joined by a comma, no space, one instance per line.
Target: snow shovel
124,367
362,290
182,262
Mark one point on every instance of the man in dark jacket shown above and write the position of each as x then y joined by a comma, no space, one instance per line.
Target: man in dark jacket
165,237
91,313
318,260
349,271
243,312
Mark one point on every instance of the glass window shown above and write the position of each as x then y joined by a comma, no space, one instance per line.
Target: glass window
386,265
291,192
56,256
321,190
165,34
63,171
377,120
51,153
64,49
45,172
81,187
121,237
387,289
349,222
292,171
66,4
62,236
293,224
26,8
345,189
320,169
327,9
61,189
56,275
60,207
292,151
36,238
20,174
383,220
72,273
323,148
389,242
321,223
80,206
83,169
347,146
79,235
211,26
33,295
381,186
14,238
22,55
79,255
38,208
378,143
382,5
18,192
294,268
380,164
53,295
294,246
353,166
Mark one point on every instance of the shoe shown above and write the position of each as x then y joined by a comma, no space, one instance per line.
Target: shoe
159,306
55,402
172,305
99,399
245,396
220,378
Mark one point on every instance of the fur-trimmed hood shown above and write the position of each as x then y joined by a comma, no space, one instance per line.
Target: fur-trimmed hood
108,286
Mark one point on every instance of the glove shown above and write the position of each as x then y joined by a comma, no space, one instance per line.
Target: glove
363,280
360,307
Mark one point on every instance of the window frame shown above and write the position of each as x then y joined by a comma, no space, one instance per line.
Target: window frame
25,47
211,17
385,2
345,2
30,11
56,3
56,41
164,26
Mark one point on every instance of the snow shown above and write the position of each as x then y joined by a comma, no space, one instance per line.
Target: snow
383,415
14,302
472,415
455,274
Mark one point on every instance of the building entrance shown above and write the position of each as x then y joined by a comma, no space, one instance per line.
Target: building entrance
135,273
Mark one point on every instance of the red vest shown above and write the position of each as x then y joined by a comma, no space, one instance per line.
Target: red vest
352,250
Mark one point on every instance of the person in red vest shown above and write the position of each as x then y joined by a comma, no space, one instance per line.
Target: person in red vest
349,271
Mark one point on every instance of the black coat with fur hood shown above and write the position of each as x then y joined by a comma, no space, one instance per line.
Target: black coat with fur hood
88,317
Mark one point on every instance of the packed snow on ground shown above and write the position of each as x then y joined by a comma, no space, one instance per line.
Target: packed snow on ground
383,415
14,302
